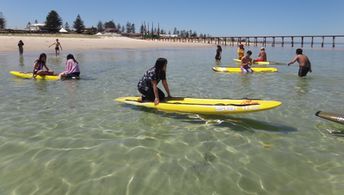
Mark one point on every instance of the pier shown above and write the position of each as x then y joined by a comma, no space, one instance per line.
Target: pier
261,40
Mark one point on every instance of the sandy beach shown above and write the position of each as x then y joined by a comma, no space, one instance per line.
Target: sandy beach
75,42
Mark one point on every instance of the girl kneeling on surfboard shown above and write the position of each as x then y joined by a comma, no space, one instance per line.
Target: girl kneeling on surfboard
147,86
246,62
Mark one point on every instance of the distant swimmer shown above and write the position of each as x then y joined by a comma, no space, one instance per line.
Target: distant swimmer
246,63
241,51
262,57
20,46
148,85
218,53
39,65
304,63
57,47
72,69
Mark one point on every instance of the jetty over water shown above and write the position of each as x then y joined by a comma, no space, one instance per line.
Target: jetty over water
263,40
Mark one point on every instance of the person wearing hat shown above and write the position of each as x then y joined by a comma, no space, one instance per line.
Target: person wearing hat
241,51
262,57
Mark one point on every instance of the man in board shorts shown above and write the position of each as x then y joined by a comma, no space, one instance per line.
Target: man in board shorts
304,63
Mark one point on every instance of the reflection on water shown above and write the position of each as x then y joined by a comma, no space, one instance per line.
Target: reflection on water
71,137
21,60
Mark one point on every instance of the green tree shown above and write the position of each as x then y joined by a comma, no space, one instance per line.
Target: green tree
100,26
53,21
110,24
129,27
79,24
2,21
133,29
66,26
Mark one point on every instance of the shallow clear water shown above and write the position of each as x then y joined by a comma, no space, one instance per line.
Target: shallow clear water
70,137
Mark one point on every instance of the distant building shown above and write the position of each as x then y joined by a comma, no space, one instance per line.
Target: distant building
168,35
35,27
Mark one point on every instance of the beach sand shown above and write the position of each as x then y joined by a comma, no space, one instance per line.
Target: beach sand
88,42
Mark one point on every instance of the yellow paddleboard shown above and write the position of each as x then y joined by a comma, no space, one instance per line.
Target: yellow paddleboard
238,70
259,63
204,106
28,75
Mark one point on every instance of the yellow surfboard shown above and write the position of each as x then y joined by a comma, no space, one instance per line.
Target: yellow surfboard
238,70
204,106
28,75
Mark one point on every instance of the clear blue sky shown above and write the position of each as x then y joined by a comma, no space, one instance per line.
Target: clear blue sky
215,17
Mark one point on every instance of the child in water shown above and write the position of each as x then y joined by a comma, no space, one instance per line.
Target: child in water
72,69
241,51
246,63
39,64
218,53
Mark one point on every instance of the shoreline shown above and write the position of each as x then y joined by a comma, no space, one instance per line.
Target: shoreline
41,42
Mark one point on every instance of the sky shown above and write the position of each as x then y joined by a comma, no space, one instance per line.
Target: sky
214,17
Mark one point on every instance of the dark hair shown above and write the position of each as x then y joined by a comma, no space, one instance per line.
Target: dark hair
219,47
298,51
70,56
159,64
249,52
40,58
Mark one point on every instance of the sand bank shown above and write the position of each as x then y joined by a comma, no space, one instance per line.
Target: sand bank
75,42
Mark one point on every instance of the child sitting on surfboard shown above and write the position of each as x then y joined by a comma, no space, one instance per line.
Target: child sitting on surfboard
262,57
72,69
38,66
246,63
148,85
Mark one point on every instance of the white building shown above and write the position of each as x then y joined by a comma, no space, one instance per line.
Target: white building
35,27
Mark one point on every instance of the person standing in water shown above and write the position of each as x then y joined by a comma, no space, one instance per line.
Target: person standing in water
148,85
241,51
57,47
218,53
20,46
304,63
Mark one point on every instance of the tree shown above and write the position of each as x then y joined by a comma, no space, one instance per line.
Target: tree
142,29
53,21
118,27
36,21
110,24
133,30
175,31
2,21
28,25
66,26
128,27
79,24
100,26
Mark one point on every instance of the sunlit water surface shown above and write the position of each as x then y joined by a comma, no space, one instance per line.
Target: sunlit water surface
71,137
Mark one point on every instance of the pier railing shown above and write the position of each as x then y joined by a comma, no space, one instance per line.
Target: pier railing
260,40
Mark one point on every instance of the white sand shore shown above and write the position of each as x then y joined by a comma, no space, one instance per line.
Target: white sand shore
42,42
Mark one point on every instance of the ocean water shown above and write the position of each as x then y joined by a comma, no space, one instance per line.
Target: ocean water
71,137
